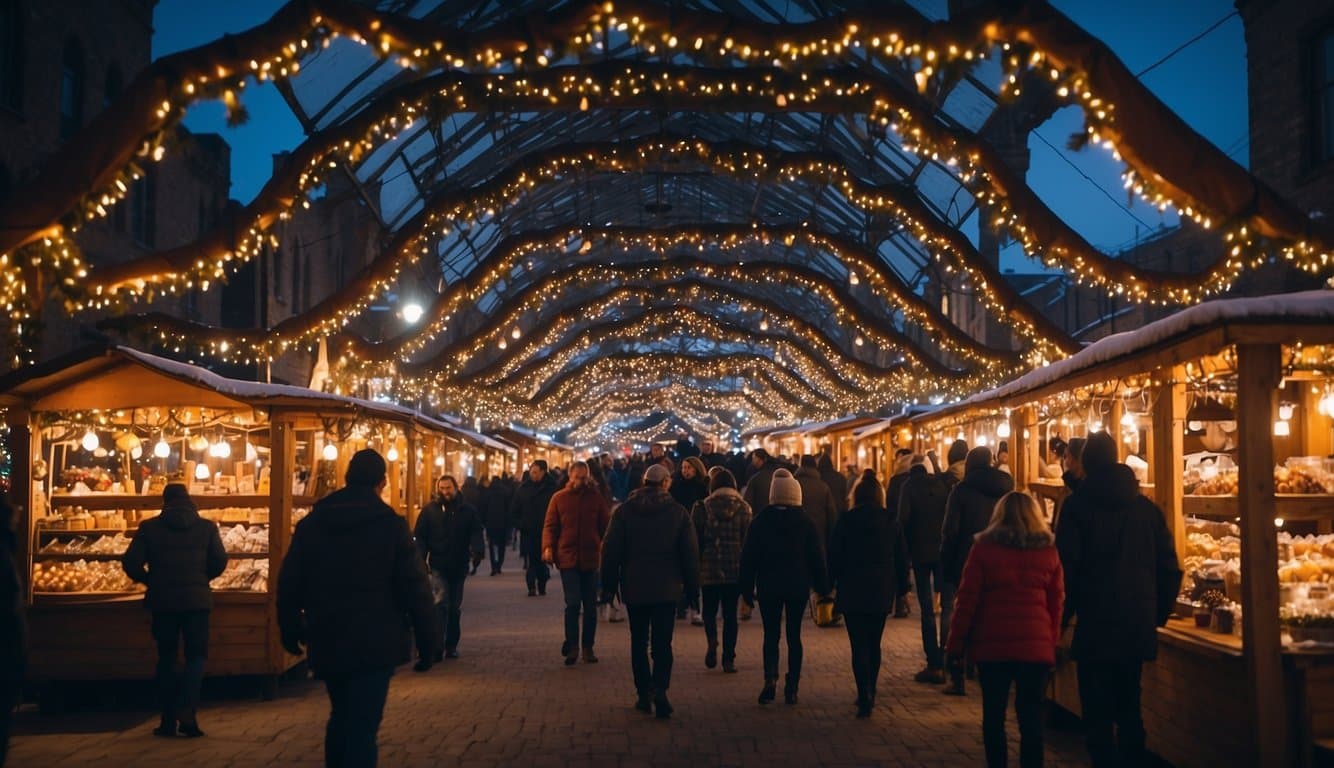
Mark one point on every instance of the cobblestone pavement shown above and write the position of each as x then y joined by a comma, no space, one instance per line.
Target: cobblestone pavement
509,700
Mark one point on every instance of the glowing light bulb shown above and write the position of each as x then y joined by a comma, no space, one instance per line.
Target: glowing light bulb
440,461
90,441
201,471
220,449
1128,419
516,333
982,440
412,312
1285,411
1195,426
161,449
330,452
1282,429
1003,429
137,452
250,453
1326,404
391,454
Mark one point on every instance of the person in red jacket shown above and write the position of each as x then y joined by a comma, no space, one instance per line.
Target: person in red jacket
1007,619
577,518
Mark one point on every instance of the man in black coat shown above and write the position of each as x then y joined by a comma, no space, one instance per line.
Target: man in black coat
528,510
176,554
449,534
836,482
922,513
13,636
650,555
496,518
761,475
968,511
351,585
1121,583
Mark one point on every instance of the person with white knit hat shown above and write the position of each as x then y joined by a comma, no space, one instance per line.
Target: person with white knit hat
781,583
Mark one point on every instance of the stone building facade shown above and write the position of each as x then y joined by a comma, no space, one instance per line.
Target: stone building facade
61,63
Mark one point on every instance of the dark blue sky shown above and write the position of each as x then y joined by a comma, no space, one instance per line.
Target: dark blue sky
1205,84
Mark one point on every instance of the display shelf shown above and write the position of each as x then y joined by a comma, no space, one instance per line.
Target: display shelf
1289,506
128,532
99,501
72,556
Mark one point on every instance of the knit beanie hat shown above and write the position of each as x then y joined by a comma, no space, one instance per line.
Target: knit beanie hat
656,474
784,490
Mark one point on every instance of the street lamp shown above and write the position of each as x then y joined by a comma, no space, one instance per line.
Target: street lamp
412,312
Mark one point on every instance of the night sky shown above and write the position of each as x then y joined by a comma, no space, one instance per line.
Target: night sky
1205,84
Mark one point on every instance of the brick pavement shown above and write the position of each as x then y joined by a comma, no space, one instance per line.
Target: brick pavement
509,700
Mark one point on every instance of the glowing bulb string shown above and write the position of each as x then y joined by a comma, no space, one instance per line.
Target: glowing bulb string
501,260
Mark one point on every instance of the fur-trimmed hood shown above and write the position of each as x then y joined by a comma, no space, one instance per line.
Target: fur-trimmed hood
1008,538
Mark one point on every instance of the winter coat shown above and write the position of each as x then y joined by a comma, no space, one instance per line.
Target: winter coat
756,492
650,554
528,507
448,535
13,632
868,561
967,513
922,513
782,558
818,503
687,492
894,492
1121,571
351,585
619,480
472,493
183,552
1008,607
495,507
953,474
836,483
721,522
577,519
714,459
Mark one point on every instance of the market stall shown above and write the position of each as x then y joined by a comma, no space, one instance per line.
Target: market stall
1225,413
533,446
96,438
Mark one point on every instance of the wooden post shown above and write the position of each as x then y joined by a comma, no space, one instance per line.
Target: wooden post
1114,427
1169,423
282,458
411,487
1024,450
25,452
395,474
1258,374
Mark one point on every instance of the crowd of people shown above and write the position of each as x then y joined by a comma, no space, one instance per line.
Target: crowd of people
713,534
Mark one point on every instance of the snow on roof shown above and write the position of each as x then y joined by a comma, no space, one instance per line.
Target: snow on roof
1307,308
254,391
873,429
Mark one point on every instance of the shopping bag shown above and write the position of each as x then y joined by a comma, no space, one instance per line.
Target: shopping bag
823,613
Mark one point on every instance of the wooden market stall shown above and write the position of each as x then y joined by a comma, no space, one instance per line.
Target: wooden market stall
1225,412
96,437
835,438
533,446
872,443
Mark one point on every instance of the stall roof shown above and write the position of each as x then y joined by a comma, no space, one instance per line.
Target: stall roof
54,384
534,437
764,431
874,428
1282,318
839,425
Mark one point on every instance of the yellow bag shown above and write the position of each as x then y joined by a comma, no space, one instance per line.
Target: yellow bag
822,612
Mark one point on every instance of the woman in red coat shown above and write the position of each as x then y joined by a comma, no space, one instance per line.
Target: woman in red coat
1007,619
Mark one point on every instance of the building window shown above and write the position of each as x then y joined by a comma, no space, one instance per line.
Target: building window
11,55
113,86
143,209
71,90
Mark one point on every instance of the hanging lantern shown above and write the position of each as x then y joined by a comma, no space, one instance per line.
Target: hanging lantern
161,449
330,452
201,471
90,442
391,454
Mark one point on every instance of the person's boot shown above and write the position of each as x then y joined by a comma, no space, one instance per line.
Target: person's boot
955,686
542,588
190,725
166,727
532,591
711,656
645,701
662,707
901,609
768,693
589,656
571,654
790,689
932,675
729,663
864,707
